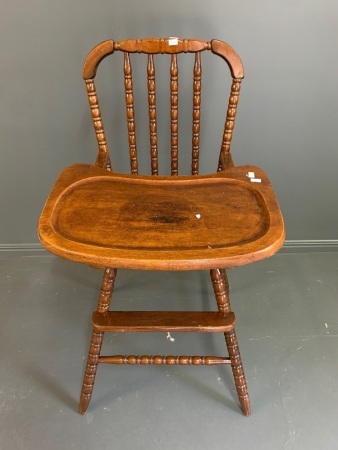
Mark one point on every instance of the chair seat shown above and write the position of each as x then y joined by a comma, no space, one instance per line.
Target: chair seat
162,223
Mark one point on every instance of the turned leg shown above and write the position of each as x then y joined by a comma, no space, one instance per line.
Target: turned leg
221,290
90,372
96,340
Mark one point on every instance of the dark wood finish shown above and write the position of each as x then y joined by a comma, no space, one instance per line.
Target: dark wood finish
129,93
96,340
170,360
157,223
103,158
221,290
171,46
174,114
166,321
110,220
196,128
94,58
231,116
229,55
162,45
152,115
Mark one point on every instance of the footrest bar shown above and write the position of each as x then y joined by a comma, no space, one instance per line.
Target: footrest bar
165,360
158,321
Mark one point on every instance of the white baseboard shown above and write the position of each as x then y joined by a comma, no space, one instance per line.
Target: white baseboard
290,246
310,245
23,247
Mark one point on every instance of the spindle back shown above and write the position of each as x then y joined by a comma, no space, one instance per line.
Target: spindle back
171,47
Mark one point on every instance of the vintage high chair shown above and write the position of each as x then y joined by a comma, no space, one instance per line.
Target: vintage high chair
214,222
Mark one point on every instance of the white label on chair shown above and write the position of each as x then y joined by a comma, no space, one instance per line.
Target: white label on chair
173,41
251,174
255,180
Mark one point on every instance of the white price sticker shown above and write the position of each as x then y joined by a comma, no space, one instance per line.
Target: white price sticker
173,41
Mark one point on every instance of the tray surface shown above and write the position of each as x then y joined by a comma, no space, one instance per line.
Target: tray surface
112,212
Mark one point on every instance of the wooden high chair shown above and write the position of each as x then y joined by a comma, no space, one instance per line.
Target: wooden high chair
111,220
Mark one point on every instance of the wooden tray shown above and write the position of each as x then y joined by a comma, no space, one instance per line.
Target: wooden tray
212,221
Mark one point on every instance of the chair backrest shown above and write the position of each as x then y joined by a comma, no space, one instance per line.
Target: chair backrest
171,47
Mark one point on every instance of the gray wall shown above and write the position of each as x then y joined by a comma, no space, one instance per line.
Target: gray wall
288,115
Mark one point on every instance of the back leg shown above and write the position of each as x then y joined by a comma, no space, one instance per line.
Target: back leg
221,290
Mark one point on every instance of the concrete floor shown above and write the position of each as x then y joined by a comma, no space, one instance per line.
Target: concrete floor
287,325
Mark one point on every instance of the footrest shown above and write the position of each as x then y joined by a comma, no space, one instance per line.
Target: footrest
158,321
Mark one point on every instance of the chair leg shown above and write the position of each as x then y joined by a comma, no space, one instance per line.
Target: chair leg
221,290
96,340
